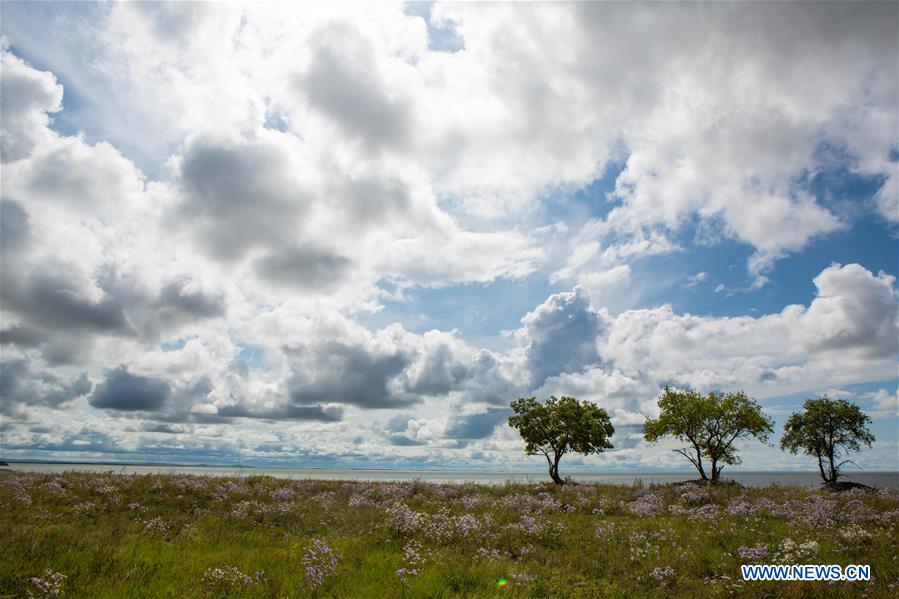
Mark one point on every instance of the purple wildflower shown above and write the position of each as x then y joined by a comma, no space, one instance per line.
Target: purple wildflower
708,511
647,505
530,525
282,493
403,520
231,576
412,554
753,554
467,524
320,561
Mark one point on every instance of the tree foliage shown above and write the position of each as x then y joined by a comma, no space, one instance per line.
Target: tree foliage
827,429
559,426
711,424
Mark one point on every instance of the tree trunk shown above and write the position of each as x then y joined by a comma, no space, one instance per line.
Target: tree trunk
554,473
833,470
821,468
699,467
714,469
554,467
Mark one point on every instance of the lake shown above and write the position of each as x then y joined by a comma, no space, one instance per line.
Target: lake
754,479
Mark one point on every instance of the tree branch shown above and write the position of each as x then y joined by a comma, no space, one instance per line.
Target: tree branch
840,465
689,457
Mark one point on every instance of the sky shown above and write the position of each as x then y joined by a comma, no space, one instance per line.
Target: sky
350,235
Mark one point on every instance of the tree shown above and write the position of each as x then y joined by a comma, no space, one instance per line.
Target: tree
711,424
559,426
827,429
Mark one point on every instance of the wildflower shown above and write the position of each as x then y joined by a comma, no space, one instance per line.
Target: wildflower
522,578
791,552
242,509
602,531
282,493
856,511
325,500
724,580
405,574
647,505
50,585
813,511
54,488
694,496
662,573
230,576
157,524
320,561
440,525
360,500
708,511
104,490
741,508
467,524
412,552
547,502
473,501
855,534
403,520
530,525
642,544
84,507
489,554
412,555
753,554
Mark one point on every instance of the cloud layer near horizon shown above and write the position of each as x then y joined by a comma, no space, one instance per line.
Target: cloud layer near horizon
206,260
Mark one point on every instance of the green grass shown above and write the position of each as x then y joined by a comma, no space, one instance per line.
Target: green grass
584,541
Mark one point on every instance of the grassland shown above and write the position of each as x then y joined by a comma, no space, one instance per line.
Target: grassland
90,535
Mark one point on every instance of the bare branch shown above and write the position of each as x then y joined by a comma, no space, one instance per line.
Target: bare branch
684,453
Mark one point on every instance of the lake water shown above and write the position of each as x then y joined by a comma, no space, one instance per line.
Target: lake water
754,479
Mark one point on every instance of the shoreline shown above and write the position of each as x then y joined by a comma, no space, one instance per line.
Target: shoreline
359,469
755,479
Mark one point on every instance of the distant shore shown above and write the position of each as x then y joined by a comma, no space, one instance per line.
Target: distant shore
747,478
